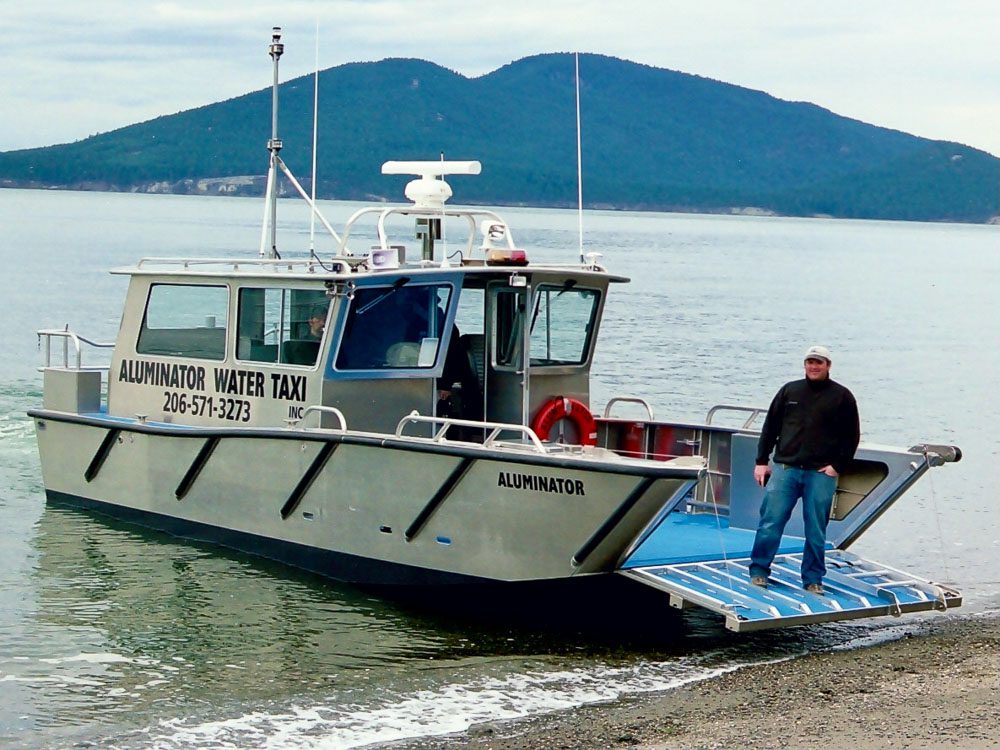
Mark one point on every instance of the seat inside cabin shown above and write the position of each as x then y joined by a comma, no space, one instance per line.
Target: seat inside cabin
299,352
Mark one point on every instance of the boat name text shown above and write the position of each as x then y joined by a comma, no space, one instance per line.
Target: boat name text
537,483
228,380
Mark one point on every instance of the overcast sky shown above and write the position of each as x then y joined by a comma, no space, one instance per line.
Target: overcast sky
73,68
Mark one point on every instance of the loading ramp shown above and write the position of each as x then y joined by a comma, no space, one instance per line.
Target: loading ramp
853,588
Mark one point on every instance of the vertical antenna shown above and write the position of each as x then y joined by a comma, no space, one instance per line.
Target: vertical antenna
579,161
274,144
444,233
312,213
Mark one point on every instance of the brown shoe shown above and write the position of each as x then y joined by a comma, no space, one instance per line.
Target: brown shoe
815,588
759,581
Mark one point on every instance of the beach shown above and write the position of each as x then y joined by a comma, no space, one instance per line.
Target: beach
937,687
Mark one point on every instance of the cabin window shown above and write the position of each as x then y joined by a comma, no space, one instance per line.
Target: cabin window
184,320
280,325
469,311
395,327
562,325
507,316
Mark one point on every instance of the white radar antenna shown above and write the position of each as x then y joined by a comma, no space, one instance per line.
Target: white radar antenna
428,192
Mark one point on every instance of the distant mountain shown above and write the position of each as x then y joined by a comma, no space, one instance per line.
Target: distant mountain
652,139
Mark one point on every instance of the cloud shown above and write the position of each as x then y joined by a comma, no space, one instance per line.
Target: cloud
916,65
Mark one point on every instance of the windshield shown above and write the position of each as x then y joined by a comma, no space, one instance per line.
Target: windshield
397,327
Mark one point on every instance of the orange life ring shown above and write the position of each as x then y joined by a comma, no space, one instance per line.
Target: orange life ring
563,407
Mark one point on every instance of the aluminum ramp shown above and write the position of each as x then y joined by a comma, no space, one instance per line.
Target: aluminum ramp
853,588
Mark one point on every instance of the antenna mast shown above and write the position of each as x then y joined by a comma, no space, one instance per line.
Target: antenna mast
274,146
579,162
312,214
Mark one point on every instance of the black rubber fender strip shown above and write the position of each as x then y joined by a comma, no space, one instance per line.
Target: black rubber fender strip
612,521
195,468
307,479
439,497
101,456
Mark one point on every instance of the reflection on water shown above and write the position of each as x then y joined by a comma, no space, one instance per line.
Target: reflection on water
114,600
131,627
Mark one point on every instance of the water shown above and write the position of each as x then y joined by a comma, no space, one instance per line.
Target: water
116,637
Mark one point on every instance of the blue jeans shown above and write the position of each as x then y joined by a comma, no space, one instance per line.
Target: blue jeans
786,485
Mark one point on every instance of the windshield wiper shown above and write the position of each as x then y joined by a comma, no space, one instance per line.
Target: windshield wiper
397,285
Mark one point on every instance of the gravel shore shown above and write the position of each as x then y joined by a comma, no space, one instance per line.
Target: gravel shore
936,688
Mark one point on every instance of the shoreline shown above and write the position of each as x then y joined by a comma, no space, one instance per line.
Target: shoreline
938,687
243,186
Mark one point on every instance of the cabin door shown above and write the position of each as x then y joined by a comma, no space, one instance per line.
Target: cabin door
504,354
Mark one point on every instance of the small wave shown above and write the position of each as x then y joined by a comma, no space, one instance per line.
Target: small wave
92,658
876,637
52,680
17,430
21,391
444,710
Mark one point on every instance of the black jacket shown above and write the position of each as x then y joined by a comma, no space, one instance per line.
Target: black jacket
813,423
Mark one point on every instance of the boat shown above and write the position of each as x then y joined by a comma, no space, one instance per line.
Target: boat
410,417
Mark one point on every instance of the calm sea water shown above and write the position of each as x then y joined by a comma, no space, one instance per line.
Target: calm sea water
117,637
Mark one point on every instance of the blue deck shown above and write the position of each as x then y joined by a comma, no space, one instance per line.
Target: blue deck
685,537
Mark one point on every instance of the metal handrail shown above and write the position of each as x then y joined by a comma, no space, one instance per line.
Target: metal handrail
316,409
447,422
755,411
68,336
289,264
628,400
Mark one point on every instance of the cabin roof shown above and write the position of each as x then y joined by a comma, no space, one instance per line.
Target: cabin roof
341,269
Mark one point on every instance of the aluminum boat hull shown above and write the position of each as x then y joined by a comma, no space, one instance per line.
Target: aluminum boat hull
365,510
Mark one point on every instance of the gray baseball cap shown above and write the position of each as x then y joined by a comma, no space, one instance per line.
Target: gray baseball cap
818,352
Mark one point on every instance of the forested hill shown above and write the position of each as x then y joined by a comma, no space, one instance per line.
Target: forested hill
652,139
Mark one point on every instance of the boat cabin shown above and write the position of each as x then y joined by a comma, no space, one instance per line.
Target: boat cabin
368,338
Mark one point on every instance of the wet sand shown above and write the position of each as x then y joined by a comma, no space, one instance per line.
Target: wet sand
936,688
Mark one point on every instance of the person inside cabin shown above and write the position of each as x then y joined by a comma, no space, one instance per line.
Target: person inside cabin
317,321
813,428
452,377
455,398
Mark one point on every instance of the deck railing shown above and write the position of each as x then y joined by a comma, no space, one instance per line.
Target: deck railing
69,337
495,428
754,411
321,410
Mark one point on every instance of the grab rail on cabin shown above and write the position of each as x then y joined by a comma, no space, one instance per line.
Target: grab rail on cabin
754,411
447,422
321,410
628,400
291,265
69,337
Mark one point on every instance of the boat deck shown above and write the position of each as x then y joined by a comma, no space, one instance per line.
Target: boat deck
687,537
